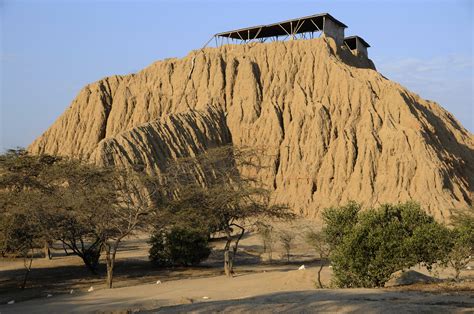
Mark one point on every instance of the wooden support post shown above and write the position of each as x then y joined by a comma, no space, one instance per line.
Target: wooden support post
207,43
240,36
298,28
316,25
259,30
295,31
284,29
348,46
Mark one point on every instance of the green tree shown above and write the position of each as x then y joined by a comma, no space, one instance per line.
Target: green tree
378,242
339,222
462,241
179,246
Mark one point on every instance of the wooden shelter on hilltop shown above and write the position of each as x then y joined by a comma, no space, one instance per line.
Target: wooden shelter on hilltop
299,28
357,45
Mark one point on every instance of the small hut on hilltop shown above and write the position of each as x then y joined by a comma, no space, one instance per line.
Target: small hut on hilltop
299,28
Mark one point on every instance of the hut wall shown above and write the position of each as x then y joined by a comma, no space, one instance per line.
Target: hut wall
334,31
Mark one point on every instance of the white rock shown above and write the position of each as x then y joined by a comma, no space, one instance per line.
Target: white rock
91,289
468,267
158,282
205,298
49,295
302,267
330,266
72,291
11,302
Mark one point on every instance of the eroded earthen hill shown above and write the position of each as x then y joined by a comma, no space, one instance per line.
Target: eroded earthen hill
335,128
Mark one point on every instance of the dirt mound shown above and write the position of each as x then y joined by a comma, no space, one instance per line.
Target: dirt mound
409,277
335,129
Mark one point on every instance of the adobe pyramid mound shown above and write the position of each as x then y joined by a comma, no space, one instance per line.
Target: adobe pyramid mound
335,129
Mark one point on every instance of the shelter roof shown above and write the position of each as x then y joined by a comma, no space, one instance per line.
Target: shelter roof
351,41
299,25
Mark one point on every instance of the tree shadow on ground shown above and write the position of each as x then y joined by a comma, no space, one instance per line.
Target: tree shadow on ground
353,301
61,279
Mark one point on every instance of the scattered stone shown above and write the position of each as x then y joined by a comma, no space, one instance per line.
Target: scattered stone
11,302
72,291
49,295
302,267
205,298
158,282
90,289
185,300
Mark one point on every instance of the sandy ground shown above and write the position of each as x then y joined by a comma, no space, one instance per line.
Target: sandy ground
257,287
274,291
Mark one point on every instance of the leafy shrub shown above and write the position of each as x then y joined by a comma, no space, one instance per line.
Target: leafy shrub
179,246
368,246
462,241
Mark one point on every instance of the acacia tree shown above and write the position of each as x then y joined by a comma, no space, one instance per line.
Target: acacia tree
21,173
19,232
101,206
265,231
82,191
25,194
88,208
211,183
286,239
134,202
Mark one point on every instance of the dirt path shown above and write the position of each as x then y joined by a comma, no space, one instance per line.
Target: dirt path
334,301
258,287
275,291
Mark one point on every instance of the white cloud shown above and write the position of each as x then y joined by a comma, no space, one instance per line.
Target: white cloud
447,64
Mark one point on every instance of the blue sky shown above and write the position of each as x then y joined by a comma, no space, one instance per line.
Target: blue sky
51,49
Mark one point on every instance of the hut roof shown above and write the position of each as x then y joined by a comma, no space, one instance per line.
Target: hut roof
351,41
294,26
